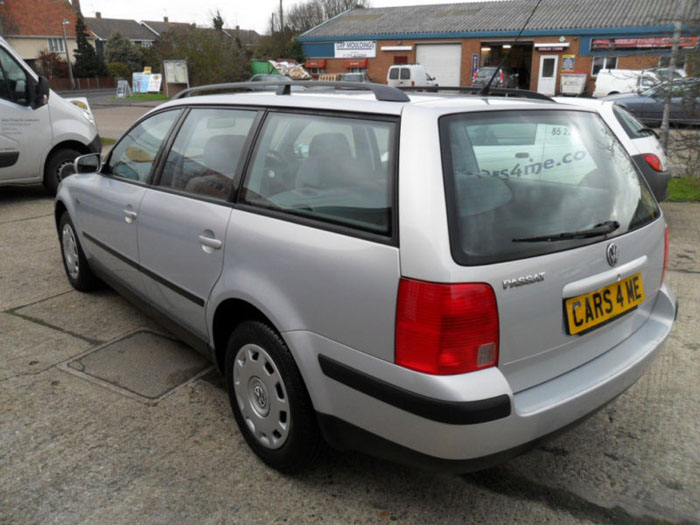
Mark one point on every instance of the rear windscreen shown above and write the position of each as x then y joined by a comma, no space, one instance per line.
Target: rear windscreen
514,176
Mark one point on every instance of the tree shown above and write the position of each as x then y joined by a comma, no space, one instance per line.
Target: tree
120,49
217,21
87,63
51,65
212,57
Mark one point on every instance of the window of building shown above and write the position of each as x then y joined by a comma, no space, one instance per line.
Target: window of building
56,45
665,61
331,169
317,70
603,63
401,60
358,70
206,153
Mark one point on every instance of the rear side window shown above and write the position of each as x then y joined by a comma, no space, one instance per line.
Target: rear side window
394,73
633,127
207,150
405,73
333,169
513,177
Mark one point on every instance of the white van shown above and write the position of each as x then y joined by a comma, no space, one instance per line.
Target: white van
409,75
40,132
614,81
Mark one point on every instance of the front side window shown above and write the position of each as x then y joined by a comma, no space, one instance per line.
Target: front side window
603,63
133,156
332,169
13,80
206,152
514,179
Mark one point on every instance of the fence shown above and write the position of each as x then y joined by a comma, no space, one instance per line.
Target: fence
63,84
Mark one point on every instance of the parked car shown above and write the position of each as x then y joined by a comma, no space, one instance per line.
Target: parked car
354,77
506,77
409,75
640,141
614,81
41,133
648,106
444,300
268,80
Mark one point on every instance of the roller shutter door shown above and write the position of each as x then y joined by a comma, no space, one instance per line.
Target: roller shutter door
442,61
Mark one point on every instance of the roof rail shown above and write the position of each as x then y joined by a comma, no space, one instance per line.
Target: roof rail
506,92
381,92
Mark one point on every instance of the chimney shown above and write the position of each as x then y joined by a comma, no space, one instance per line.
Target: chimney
76,6
165,19
98,14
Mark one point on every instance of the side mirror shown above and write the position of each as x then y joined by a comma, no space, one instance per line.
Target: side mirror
40,92
89,163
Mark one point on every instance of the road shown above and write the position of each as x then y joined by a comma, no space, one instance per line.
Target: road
75,448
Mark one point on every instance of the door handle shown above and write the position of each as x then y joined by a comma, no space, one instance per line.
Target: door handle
130,215
210,242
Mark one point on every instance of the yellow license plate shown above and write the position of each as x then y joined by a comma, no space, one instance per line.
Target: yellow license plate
591,309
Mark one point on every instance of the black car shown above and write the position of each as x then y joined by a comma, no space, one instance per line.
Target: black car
506,77
648,105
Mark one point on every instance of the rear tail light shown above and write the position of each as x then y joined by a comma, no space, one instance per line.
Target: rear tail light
413,84
446,329
653,161
500,78
663,272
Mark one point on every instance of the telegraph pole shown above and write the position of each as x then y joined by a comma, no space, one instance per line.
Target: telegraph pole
678,27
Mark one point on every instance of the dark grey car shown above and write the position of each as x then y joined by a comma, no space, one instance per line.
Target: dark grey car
648,105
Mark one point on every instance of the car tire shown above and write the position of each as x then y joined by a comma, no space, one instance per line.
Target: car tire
269,399
58,167
75,263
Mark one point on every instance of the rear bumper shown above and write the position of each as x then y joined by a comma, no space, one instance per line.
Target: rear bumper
464,422
657,180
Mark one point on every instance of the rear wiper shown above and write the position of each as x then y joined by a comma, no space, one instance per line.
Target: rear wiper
599,229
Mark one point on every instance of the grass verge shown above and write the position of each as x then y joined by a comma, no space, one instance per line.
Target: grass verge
146,96
686,189
108,141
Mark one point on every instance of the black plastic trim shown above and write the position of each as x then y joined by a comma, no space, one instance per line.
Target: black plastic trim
656,180
450,412
96,145
8,158
476,91
168,284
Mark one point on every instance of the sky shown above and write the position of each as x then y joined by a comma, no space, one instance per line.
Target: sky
248,14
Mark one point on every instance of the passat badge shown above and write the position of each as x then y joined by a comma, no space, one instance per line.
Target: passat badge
521,281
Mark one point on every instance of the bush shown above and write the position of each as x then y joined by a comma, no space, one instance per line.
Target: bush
212,57
51,65
118,69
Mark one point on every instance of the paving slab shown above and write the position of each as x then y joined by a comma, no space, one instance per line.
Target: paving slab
28,348
101,315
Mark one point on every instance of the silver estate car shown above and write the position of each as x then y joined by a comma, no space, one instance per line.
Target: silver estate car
440,280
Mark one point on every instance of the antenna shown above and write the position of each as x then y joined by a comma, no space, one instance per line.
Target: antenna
485,90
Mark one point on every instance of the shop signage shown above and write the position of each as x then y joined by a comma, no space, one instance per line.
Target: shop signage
567,62
315,63
356,49
356,63
641,43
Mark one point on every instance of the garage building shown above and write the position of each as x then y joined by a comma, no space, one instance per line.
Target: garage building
453,41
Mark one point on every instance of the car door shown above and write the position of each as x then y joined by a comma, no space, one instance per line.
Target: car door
108,206
25,133
183,220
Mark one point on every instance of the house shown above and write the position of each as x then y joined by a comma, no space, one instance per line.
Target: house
33,26
454,40
103,28
247,37
159,28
